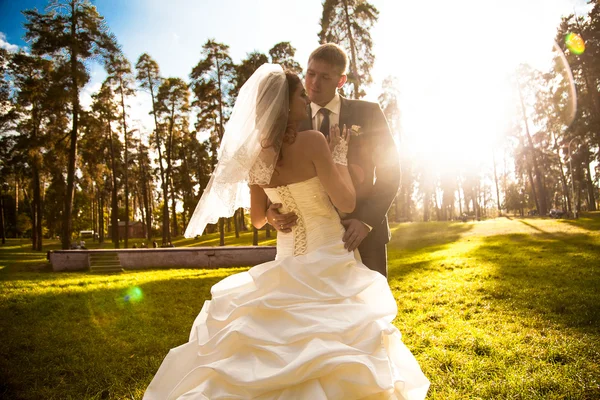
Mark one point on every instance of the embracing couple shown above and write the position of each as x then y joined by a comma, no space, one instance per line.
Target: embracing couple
315,323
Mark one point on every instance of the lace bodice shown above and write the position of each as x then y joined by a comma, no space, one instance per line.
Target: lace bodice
318,222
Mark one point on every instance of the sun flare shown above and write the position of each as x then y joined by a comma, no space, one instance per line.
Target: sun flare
457,96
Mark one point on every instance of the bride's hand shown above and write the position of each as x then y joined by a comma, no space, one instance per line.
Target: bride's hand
335,136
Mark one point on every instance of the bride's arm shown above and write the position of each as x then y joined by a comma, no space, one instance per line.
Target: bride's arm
258,206
335,178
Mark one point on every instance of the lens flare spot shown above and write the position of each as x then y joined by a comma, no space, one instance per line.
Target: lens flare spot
134,295
575,43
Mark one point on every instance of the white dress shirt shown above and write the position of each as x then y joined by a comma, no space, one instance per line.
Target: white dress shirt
334,116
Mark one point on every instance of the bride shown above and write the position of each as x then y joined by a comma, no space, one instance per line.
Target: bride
315,323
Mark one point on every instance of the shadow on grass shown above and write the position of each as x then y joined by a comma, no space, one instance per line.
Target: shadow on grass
589,221
412,245
96,343
539,230
552,276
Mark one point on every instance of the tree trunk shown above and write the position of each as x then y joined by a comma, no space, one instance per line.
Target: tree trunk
589,184
459,203
165,210
114,207
100,216
173,211
16,197
150,209
407,205
254,236
70,193
183,220
438,207
356,80
37,208
2,230
541,202
170,171
563,178
126,173
496,181
236,223
146,200
426,205
532,184
476,206
221,232
243,226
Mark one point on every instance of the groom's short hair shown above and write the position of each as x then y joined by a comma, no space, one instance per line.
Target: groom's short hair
332,54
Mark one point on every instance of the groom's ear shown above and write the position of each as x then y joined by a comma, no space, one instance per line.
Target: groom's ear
342,80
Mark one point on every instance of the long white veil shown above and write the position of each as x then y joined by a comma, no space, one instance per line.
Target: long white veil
249,149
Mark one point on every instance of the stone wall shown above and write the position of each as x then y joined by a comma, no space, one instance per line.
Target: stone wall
184,257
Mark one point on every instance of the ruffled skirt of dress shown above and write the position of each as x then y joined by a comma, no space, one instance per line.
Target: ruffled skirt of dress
317,326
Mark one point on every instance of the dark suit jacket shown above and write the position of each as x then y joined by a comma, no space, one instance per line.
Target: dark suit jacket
373,164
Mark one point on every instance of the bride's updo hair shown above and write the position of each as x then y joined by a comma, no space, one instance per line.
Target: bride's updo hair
293,81
272,102
269,92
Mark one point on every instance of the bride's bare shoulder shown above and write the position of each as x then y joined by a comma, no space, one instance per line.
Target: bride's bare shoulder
311,138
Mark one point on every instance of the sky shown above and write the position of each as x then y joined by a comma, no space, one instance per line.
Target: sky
450,58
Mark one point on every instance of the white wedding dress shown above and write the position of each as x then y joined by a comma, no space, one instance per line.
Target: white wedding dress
313,324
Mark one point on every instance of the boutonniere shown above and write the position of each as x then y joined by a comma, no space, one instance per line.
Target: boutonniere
356,130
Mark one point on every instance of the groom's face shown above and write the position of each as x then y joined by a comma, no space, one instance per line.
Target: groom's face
322,80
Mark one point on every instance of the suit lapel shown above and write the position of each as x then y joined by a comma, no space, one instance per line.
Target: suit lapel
345,112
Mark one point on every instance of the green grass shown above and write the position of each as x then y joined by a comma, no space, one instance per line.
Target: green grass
498,309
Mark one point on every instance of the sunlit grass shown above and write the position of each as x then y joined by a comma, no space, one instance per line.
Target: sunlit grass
502,309
498,309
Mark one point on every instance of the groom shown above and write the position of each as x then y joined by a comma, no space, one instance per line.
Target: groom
372,156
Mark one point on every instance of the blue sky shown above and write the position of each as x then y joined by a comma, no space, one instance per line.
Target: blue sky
174,34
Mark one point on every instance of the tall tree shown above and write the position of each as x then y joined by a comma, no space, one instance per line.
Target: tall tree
106,111
74,33
283,53
173,107
531,77
148,76
39,97
7,111
145,179
348,23
211,81
121,78
245,69
586,73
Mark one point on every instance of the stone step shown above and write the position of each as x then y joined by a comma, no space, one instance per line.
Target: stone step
105,259
107,269
105,262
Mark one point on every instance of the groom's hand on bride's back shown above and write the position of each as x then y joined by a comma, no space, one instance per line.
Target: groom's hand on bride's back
280,222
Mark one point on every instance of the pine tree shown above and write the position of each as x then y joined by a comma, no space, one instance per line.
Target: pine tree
212,80
348,23
74,33
148,76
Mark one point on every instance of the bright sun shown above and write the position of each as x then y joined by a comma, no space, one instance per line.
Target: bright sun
456,97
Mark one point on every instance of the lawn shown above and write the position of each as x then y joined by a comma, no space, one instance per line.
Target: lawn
498,309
